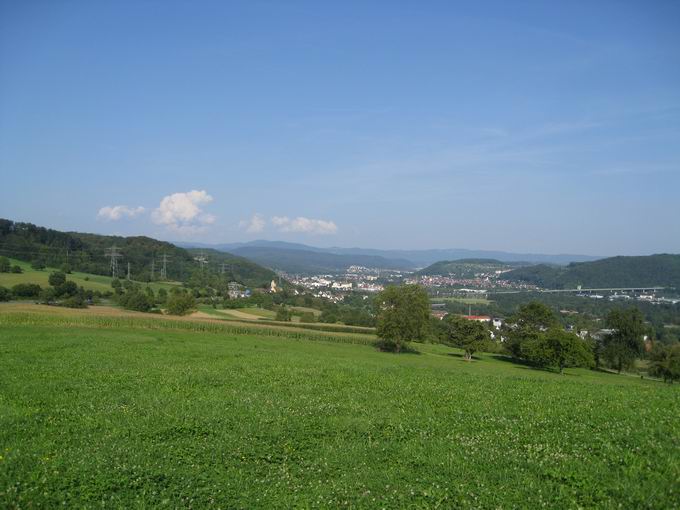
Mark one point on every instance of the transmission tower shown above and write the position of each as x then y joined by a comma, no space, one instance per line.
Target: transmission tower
153,267
114,254
128,273
164,268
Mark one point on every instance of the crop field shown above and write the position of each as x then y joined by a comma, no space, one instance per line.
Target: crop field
86,280
131,412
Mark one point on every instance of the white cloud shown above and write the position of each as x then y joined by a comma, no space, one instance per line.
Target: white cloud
181,212
117,212
306,225
254,224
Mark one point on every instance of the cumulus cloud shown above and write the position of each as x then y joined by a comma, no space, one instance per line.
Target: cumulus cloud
306,225
117,212
182,212
254,224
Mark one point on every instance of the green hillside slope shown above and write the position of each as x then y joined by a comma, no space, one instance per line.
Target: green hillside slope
654,270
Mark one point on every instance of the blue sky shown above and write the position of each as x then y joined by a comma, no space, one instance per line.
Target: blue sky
521,126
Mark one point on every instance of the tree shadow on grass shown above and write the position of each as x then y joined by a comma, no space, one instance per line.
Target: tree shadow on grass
524,364
406,349
462,356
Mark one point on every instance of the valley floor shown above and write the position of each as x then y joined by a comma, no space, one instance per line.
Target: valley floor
98,409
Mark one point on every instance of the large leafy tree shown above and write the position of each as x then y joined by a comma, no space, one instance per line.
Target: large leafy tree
625,343
471,336
665,362
530,321
558,348
403,314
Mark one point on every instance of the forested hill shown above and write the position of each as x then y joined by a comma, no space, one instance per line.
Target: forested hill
89,253
310,262
653,270
233,267
465,268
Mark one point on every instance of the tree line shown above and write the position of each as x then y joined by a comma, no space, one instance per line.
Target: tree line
533,334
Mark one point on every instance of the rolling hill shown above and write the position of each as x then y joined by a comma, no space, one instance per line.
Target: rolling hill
314,262
87,253
416,258
465,268
661,270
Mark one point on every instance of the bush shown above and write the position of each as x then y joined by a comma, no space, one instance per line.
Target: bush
137,301
283,314
307,317
26,290
47,296
76,301
38,265
56,278
67,289
4,265
180,303
5,294
17,269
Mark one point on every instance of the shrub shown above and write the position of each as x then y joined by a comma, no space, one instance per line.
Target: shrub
307,317
26,290
5,294
137,301
56,278
4,265
283,314
76,301
180,303
17,269
38,265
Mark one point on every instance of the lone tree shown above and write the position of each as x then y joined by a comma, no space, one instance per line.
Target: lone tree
471,336
403,314
624,344
558,348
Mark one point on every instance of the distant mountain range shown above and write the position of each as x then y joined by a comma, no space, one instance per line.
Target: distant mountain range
299,257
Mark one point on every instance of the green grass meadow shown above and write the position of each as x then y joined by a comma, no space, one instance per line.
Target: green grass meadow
137,413
87,281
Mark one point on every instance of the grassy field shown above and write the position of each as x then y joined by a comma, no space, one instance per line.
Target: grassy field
130,411
86,280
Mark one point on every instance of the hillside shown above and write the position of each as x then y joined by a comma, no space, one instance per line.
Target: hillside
234,268
310,262
416,258
465,268
653,270
87,253
88,281
135,410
